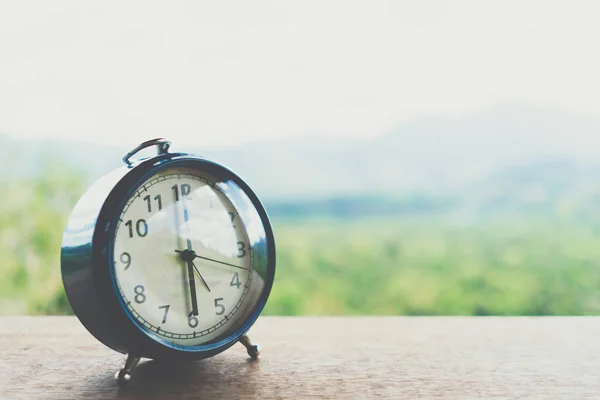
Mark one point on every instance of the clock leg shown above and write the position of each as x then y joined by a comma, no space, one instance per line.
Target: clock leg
253,349
123,376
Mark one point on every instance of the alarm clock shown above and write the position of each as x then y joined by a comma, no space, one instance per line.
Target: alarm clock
170,257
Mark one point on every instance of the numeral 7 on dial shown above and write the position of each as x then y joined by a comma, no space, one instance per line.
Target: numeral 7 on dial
166,308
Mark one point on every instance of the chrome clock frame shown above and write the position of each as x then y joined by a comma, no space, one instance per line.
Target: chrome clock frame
87,261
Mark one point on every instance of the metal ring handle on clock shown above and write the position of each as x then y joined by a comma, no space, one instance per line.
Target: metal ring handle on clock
162,147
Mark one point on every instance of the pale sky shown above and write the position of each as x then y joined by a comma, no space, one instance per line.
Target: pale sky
218,73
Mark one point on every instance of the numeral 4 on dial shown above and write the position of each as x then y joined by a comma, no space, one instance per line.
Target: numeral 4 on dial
235,281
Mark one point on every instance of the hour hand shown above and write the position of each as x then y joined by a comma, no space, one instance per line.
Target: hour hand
188,257
201,278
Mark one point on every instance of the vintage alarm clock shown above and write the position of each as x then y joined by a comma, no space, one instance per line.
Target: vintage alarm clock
170,257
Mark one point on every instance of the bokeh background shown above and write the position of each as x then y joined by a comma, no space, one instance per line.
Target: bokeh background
416,158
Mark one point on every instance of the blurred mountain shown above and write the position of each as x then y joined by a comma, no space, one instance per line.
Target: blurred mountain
427,155
505,158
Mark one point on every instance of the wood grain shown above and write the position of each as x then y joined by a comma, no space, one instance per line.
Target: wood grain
362,357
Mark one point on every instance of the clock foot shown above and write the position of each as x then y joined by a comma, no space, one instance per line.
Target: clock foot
253,349
123,376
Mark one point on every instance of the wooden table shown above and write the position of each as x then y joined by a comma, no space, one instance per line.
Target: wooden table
333,357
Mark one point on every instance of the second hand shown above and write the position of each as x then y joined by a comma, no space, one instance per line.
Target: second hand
215,261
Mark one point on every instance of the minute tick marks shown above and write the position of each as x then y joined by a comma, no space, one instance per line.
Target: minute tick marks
208,299
170,304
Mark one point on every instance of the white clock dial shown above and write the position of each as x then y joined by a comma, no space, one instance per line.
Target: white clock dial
182,260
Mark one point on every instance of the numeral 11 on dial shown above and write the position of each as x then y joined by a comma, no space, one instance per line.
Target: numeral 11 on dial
157,199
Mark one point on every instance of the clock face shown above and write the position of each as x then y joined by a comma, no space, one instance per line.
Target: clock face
182,258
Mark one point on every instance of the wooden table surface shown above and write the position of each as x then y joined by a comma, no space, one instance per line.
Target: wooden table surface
330,357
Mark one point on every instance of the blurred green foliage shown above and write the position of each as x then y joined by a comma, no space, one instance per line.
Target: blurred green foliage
426,266
419,265
32,218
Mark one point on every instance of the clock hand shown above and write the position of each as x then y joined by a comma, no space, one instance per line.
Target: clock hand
221,262
190,264
188,256
192,282
193,253
201,278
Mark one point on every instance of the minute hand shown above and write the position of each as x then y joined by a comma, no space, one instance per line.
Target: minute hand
192,284
221,262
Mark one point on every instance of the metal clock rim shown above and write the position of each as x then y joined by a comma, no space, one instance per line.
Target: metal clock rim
136,340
